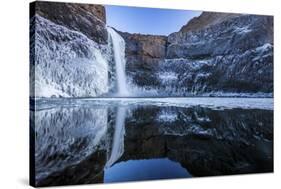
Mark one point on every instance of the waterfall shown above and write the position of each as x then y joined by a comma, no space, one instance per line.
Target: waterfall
119,57
118,138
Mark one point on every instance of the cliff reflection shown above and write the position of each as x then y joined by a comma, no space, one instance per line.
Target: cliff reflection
79,144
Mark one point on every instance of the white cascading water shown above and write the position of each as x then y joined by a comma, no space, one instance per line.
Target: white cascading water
119,57
118,138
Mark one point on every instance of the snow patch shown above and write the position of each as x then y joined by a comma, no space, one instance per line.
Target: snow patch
167,116
242,30
167,77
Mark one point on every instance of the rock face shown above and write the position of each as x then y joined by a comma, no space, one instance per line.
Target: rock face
70,55
143,54
232,36
214,54
205,20
85,18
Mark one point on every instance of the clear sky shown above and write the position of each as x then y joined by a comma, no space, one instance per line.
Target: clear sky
147,20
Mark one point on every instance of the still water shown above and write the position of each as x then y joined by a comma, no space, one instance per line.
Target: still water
105,140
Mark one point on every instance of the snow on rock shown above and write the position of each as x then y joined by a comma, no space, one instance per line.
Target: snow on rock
242,30
67,63
231,56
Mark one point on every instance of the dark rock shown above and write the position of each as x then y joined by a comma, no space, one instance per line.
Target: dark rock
239,52
87,171
249,72
215,52
85,18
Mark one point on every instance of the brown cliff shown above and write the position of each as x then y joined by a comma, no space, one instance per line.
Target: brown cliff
85,18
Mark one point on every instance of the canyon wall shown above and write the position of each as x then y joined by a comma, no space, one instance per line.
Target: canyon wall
216,54
143,55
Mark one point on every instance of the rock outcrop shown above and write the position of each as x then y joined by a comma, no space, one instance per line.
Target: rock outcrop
214,54
205,20
85,18
231,36
143,55
234,55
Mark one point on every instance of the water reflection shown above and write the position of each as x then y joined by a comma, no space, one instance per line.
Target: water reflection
118,138
147,169
102,141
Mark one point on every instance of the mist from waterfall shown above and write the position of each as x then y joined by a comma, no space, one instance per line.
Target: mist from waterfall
118,44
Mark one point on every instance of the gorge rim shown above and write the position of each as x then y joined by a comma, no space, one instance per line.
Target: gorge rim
180,94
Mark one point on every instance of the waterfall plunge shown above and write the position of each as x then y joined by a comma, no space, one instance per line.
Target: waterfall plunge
119,57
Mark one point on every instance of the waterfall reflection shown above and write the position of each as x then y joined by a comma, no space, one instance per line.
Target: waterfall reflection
80,142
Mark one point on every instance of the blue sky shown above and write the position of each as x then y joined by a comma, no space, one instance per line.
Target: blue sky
147,20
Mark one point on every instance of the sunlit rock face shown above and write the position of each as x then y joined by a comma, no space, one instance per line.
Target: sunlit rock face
206,19
227,54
